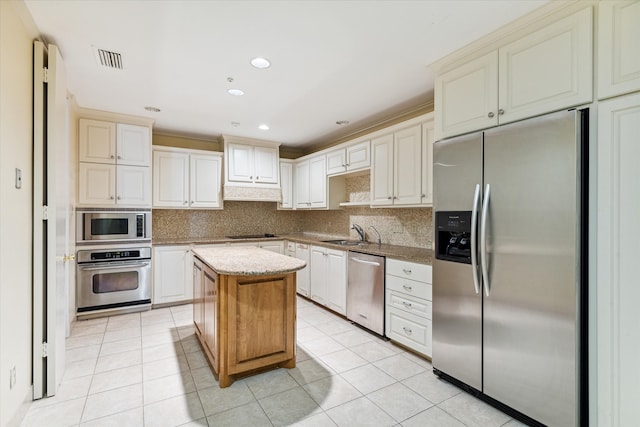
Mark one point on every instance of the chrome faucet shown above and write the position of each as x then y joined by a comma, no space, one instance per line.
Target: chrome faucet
359,230
379,239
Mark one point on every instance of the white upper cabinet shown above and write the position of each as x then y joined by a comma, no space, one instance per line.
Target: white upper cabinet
97,141
114,164
428,138
382,170
547,70
618,49
286,182
466,98
252,164
354,157
311,183
187,179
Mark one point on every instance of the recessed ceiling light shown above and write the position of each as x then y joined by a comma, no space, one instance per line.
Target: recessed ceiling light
260,62
152,109
235,92
263,127
342,122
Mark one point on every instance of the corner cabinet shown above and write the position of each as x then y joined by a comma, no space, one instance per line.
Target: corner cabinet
618,57
114,168
187,178
401,171
408,304
547,70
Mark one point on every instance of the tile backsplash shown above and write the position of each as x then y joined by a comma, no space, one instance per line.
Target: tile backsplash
397,226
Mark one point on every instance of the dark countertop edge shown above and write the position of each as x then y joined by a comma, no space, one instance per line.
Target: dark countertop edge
404,253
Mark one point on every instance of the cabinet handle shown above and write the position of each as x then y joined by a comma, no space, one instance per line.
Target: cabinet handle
257,177
406,304
343,165
251,177
406,270
407,330
110,197
424,195
407,288
112,156
185,202
490,115
119,198
395,197
389,197
500,112
119,157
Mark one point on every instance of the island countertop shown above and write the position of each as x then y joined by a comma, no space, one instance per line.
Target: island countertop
248,261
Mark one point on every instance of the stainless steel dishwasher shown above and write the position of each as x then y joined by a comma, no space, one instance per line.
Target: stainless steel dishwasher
365,291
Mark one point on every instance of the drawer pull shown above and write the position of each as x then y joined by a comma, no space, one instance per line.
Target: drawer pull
407,330
406,270
407,288
406,304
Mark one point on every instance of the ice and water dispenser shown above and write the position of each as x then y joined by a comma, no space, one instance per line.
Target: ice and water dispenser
453,236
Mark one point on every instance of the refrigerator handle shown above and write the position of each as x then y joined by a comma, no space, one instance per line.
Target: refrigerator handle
474,242
483,240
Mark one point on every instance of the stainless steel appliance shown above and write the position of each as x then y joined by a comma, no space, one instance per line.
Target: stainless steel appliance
508,278
113,226
113,278
365,291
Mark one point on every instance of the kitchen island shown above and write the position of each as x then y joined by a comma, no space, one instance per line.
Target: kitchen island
245,309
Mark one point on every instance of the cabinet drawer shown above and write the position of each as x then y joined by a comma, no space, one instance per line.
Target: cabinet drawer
411,331
409,270
416,306
409,287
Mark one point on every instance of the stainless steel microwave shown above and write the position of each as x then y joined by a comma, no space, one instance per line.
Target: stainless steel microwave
113,226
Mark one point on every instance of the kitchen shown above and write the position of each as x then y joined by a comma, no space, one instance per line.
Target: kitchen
606,208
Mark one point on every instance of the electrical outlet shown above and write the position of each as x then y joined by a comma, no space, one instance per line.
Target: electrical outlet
12,377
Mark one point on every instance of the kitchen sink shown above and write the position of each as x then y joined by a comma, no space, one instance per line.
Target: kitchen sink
342,242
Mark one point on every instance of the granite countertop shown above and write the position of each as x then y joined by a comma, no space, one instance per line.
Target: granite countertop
405,253
247,261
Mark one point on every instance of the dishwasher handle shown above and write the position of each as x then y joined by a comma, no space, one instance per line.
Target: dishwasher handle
362,261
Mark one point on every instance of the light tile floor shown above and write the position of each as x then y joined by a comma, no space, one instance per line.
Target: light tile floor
148,369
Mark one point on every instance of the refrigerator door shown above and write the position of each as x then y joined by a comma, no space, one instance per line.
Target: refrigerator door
457,307
531,336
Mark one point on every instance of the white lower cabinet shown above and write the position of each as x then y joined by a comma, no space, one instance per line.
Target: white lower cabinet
302,276
408,304
172,274
328,278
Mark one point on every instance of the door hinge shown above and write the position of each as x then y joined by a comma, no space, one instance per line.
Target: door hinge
45,212
45,75
45,349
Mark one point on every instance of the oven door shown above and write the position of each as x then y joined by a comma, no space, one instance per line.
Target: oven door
113,284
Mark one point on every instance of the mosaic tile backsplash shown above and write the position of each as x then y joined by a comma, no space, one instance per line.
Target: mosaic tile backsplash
397,226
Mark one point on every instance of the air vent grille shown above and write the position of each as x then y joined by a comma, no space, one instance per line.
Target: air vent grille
108,59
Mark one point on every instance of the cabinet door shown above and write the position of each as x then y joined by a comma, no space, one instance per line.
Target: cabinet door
198,296
210,279
96,184
547,70
318,274
618,57
302,184
134,185
302,276
466,98
336,281
336,161
171,265
240,163
407,166
170,179
428,138
133,145
265,165
616,289
359,156
205,181
286,182
318,182
97,141
382,170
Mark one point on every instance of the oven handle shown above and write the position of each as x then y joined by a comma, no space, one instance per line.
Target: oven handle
110,266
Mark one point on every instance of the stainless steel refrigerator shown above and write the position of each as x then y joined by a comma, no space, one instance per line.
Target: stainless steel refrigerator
508,278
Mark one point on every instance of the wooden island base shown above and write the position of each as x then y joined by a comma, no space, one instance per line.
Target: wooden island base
245,324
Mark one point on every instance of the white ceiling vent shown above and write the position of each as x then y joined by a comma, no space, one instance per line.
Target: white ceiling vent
107,58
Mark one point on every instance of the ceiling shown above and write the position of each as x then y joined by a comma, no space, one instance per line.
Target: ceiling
358,61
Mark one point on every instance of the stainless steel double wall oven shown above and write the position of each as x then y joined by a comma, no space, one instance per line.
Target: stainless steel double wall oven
113,270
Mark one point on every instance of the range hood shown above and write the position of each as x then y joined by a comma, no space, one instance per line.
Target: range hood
252,170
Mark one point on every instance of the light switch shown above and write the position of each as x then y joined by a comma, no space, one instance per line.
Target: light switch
18,178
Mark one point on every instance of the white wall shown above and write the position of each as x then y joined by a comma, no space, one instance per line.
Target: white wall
16,147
